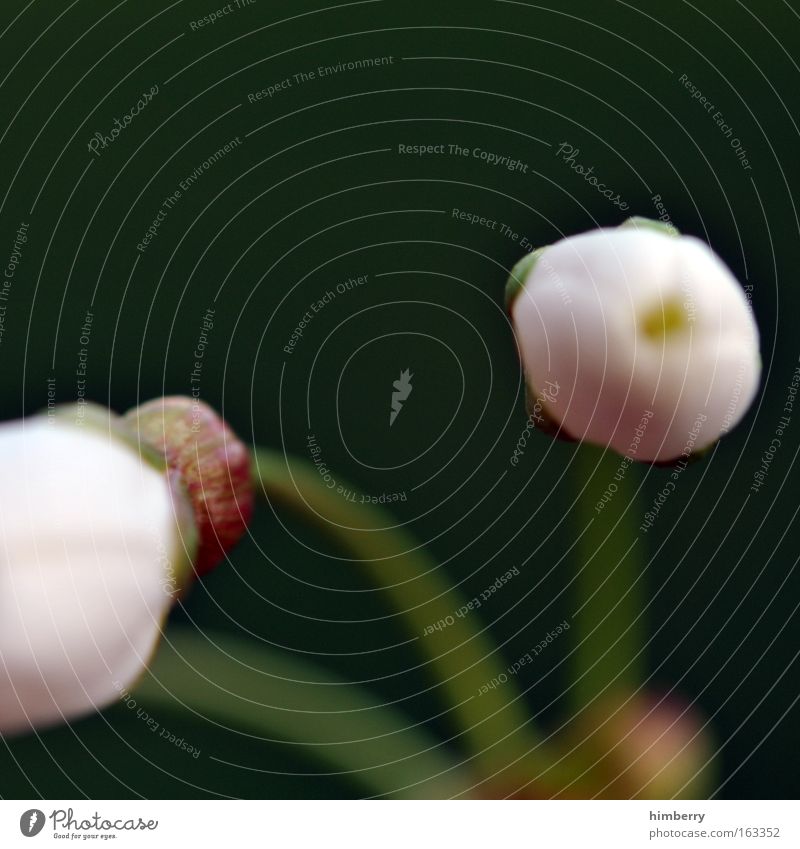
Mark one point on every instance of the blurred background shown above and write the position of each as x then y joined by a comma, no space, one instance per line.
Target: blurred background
323,187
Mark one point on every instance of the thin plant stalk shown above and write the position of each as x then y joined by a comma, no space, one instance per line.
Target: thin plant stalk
460,656
257,692
609,625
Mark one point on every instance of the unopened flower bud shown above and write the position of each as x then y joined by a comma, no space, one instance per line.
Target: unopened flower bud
96,541
648,334
214,466
640,746
104,522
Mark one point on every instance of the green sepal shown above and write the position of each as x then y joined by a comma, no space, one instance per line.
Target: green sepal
519,274
640,223
102,420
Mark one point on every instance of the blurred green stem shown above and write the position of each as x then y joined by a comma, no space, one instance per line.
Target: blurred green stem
254,691
609,630
461,656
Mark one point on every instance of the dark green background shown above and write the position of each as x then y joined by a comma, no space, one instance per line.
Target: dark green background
320,194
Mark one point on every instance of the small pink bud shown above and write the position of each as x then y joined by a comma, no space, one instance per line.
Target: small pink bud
214,466
640,746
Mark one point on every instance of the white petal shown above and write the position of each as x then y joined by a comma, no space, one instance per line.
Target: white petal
86,532
579,323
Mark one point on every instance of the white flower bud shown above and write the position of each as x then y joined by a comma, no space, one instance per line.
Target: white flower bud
647,335
93,549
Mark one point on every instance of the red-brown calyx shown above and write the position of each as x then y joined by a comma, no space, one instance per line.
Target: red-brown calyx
214,467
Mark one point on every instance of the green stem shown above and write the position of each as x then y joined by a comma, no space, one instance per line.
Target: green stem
272,695
609,628
461,656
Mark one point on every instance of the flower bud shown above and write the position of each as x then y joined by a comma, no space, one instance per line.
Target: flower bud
104,522
640,746
213,464
96,541
647,333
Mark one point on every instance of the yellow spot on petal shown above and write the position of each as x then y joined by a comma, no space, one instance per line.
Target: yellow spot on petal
663,320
